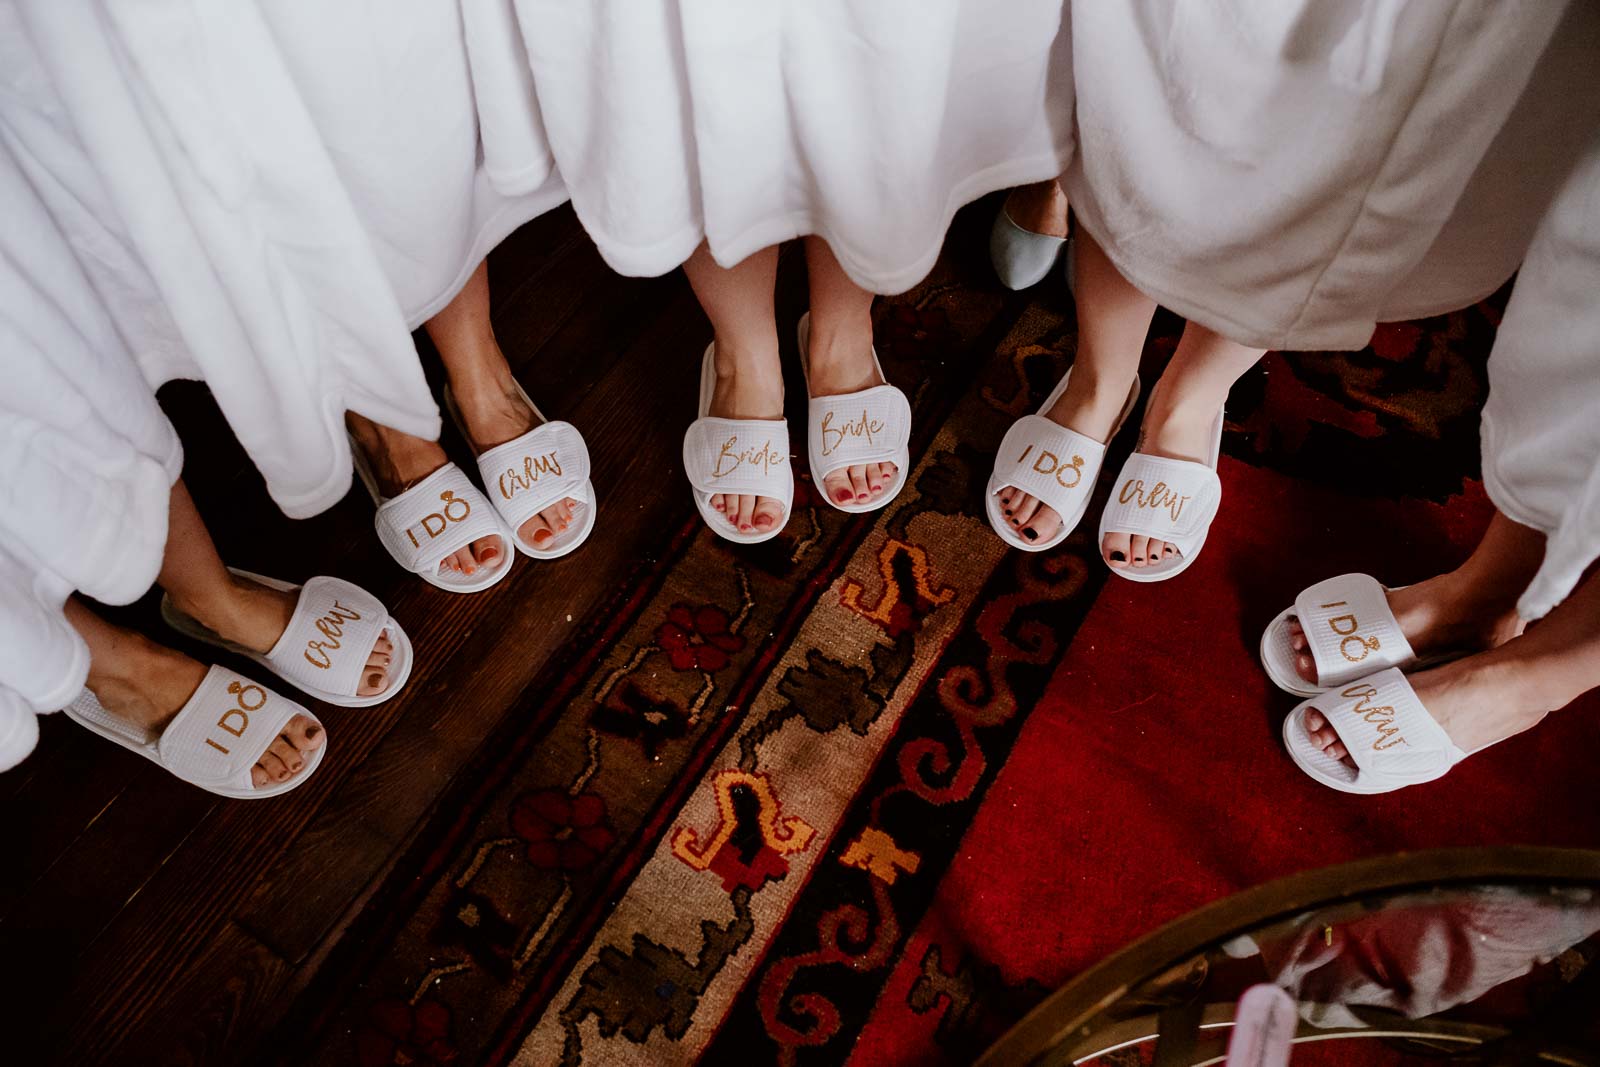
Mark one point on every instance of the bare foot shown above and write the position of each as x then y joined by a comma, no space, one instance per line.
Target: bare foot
1476,703
1177,427
398,462
495,412
147,684
1089,406
254,616
838,363
1447,613
741,392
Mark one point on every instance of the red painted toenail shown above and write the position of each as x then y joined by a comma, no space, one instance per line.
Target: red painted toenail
541,536
842,496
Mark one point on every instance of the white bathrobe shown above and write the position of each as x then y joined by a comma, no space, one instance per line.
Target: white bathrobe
1541,426
1291,172
269,204
867,122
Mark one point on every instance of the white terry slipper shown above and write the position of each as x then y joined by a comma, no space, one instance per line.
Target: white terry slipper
868,426
217,736
527,474
1350,631
323,651
736,457
438,516
1021,257
1173,500
1056,465
1389,734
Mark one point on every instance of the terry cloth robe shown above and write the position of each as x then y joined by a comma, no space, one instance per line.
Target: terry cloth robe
1541,425
87,461
1291,172
867,122
270,206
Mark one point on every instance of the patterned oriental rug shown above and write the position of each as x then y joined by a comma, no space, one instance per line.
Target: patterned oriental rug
870,791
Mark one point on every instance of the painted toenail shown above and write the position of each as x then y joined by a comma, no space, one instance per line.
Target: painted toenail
311,731
1118,556
541,536
842,496
489,554
1030,534
1138,559
861,496
1008,511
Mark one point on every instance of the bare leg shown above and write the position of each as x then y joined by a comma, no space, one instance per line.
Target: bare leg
738,301
147,684
252,615
400,461
1503,691
840,360
1040,207
485,392
1472,607
1113,318
1179,418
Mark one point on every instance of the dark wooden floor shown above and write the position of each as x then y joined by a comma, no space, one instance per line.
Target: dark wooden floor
145,921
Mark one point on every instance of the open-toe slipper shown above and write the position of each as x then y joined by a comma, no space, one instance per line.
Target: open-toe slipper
853,429
1390,736
1349,629
324,649
1172,500
216,737
528,474
1055,465
736,457
434,519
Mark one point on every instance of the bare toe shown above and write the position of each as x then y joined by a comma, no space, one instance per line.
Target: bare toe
747,507
1115,549
272,766
304,733
716,502
486,551
1043,525
887,471
1138,549
287,754
537,531
383,645
1305,667
858,484
838,487
768,513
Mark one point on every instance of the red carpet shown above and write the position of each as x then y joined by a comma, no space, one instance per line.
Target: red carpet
870,791
1148,782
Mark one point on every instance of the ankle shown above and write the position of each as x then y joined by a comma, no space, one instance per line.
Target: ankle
840,341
